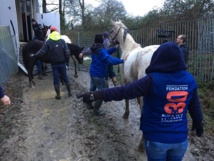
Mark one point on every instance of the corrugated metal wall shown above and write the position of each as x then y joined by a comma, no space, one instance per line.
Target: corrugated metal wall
8,57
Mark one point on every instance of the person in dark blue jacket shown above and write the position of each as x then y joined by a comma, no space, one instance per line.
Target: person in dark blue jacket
101,58
59,54
169,93
181,41
38,35
4,98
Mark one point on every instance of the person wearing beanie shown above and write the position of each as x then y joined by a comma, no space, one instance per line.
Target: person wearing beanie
4,98
101,58
59,54
169,92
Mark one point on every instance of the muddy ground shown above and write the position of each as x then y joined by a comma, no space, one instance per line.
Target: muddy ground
36,127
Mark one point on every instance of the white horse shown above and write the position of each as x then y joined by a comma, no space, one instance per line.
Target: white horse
137,61
67,40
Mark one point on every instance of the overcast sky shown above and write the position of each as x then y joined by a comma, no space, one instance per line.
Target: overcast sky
135,7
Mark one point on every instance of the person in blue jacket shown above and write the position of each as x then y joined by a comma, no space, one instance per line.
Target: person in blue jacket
169,92
101,58
4,98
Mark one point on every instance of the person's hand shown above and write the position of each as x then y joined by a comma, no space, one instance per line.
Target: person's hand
124,59
6,100
117,42
89,97
199,127
81,55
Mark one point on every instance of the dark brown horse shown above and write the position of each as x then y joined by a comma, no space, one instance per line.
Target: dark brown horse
46,32
33,47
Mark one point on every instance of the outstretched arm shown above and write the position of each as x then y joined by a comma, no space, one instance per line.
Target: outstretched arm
4,98
43,50
135,89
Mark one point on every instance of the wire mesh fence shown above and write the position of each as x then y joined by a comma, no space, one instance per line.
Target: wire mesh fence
200,40
8,58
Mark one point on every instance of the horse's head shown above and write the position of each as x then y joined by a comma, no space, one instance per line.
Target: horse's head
76,51
118,31
46,31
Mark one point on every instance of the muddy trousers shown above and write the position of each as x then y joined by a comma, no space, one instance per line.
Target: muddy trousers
56,87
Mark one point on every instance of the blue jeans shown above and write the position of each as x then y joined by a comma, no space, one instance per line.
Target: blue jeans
110,72
164,151
39,66
97,83
59,69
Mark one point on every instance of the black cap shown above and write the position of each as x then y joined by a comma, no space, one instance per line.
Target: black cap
33,20
98,38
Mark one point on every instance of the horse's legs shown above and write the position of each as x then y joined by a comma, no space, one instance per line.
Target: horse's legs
31,81
126,114
140,102
141,145
30,76
75,66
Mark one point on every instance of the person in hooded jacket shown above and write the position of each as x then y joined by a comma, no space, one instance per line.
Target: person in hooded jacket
101,58
4,98
169,92
59,54
181,40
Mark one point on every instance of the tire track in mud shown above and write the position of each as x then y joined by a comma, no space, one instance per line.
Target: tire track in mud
64,130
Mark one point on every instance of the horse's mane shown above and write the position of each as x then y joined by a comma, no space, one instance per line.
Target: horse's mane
123,36
120,24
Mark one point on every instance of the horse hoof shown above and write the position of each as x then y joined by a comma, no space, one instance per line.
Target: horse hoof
76,75
126,115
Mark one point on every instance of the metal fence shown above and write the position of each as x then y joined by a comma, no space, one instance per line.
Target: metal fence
8,58
200,40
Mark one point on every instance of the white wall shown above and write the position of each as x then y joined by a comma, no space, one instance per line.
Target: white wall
48,19
7,13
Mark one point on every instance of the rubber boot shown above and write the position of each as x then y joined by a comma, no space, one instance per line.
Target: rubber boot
40,76
97,106
114,80
44,73
89,106
56,87
69,90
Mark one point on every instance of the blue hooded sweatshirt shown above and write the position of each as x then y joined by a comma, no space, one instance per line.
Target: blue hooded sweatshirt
1,93
101,58
169,92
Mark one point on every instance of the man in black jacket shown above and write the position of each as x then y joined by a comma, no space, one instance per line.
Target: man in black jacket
37,28
181,39
59,54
